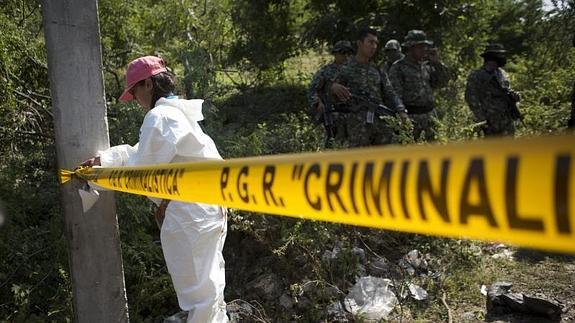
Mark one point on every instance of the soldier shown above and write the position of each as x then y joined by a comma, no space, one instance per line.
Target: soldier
489,95
317,89
341,51
413,78
361,77
393,53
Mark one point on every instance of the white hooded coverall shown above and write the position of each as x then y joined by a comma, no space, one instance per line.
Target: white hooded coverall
192,234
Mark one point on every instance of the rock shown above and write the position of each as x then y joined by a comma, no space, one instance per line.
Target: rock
360,254
416,259
417,292
407,267
180,317
372,298
329,293
309,286
267,286
505,254
336,313
412,262
475,250
303,304
379,267
360,270
329,256
434,274
237,310
492,248
469,316
501,301
542,306
316,291
286,302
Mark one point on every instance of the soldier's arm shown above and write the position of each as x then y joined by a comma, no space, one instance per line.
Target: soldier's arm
389,92
507,85
396,80
439,74
473,96
338,88
314,87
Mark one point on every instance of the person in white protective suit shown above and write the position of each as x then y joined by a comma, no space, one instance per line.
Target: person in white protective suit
192,234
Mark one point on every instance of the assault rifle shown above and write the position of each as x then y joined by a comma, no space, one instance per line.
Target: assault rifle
326,117
511,97
512,108
361,100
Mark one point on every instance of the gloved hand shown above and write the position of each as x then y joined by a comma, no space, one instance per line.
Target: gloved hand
94,161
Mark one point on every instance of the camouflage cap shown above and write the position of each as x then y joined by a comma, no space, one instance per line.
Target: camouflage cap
416,37
392,45
494,49
342,46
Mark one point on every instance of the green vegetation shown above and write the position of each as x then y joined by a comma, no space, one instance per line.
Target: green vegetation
252,60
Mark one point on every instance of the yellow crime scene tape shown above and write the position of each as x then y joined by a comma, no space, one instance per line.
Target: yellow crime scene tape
516,191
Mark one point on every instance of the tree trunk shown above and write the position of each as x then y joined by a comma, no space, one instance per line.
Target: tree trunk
71,30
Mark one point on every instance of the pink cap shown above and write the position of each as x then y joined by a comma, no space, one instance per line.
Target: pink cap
140,69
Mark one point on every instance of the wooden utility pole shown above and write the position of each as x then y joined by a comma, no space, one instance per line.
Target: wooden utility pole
72,33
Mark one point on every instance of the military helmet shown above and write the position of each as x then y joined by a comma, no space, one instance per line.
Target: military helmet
342,46
416,37
392,45
494,49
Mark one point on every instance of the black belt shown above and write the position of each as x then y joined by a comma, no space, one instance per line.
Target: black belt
418,109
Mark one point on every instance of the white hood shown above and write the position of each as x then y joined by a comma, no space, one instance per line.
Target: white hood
192,109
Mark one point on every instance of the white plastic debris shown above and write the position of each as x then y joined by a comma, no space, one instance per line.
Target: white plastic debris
89,197
483,290
371,298
505,254
417,292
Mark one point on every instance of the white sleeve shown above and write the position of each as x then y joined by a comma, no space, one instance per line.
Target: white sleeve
117,156
157,144
190,138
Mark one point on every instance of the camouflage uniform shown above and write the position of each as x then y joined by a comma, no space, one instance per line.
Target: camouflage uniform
324,77
414,83
394,47
386,67
487,100
367,79
486,96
